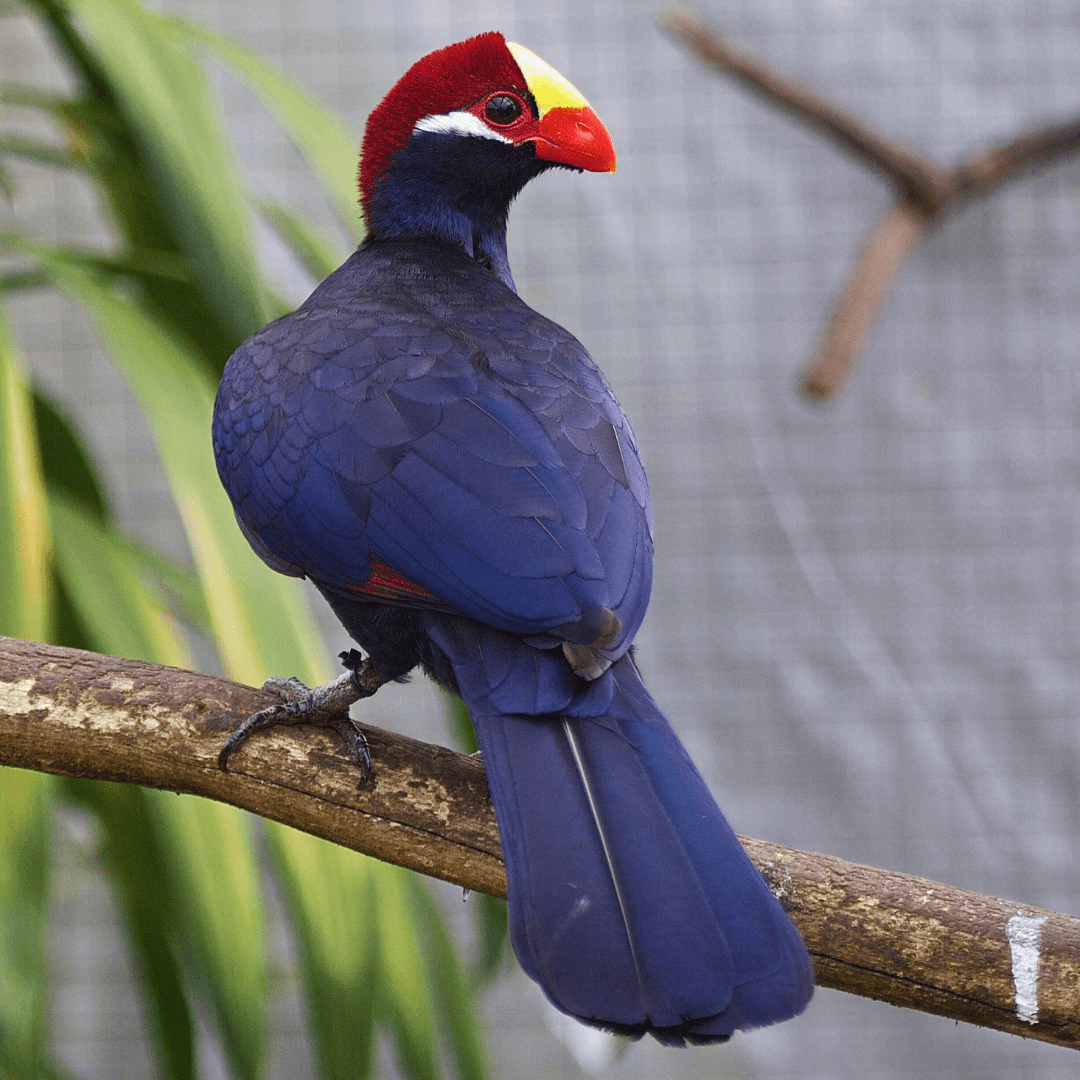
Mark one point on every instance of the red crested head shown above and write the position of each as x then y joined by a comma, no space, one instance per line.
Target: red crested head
441,82
490,87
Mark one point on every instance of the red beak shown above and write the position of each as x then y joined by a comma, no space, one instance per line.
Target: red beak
575,137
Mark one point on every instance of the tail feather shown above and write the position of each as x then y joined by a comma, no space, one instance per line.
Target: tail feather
632,902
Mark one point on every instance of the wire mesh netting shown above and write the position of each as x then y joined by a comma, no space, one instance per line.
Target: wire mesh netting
865,622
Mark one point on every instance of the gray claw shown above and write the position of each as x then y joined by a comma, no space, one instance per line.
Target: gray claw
326,705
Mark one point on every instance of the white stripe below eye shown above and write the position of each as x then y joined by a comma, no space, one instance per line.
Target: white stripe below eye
459,123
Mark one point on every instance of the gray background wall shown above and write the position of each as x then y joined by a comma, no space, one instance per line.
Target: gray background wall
866,619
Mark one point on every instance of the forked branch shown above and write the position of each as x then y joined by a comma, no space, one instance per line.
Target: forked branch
924,190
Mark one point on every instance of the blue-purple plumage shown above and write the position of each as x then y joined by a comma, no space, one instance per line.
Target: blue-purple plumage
391,417
456,477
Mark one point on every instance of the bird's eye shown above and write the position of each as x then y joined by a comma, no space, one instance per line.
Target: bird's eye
502,109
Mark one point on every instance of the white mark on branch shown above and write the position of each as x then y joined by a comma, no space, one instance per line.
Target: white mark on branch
783,887
1023,933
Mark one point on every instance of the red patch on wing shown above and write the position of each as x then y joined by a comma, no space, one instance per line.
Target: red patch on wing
441,82
386,582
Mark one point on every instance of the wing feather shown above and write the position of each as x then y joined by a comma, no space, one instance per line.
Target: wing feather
415,414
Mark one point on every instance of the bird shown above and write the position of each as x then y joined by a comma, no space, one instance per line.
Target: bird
453,473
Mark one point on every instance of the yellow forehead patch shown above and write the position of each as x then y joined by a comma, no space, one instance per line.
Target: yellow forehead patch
549,88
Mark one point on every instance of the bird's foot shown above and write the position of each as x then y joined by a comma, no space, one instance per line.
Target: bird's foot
326,706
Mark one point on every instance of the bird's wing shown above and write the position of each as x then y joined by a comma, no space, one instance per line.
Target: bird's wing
476,458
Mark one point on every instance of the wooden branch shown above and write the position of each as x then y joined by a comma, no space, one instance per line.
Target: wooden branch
924,190
888,936
885,252
994,166
923,945
924,182
77,713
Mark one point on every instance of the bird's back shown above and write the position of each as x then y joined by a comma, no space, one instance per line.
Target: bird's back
416,411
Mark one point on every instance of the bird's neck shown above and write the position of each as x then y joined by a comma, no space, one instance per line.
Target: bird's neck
452,188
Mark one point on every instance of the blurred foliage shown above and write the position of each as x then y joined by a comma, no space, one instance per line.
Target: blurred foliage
177,291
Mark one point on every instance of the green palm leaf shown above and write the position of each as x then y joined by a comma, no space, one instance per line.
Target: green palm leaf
452,993
131,848
25,798
370,941
24,528
38,152
330,895
404,995
213,874
121,615
327,145
259,618
25,812
168,108
184,869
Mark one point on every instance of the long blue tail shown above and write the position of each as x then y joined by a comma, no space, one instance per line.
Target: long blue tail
632,903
